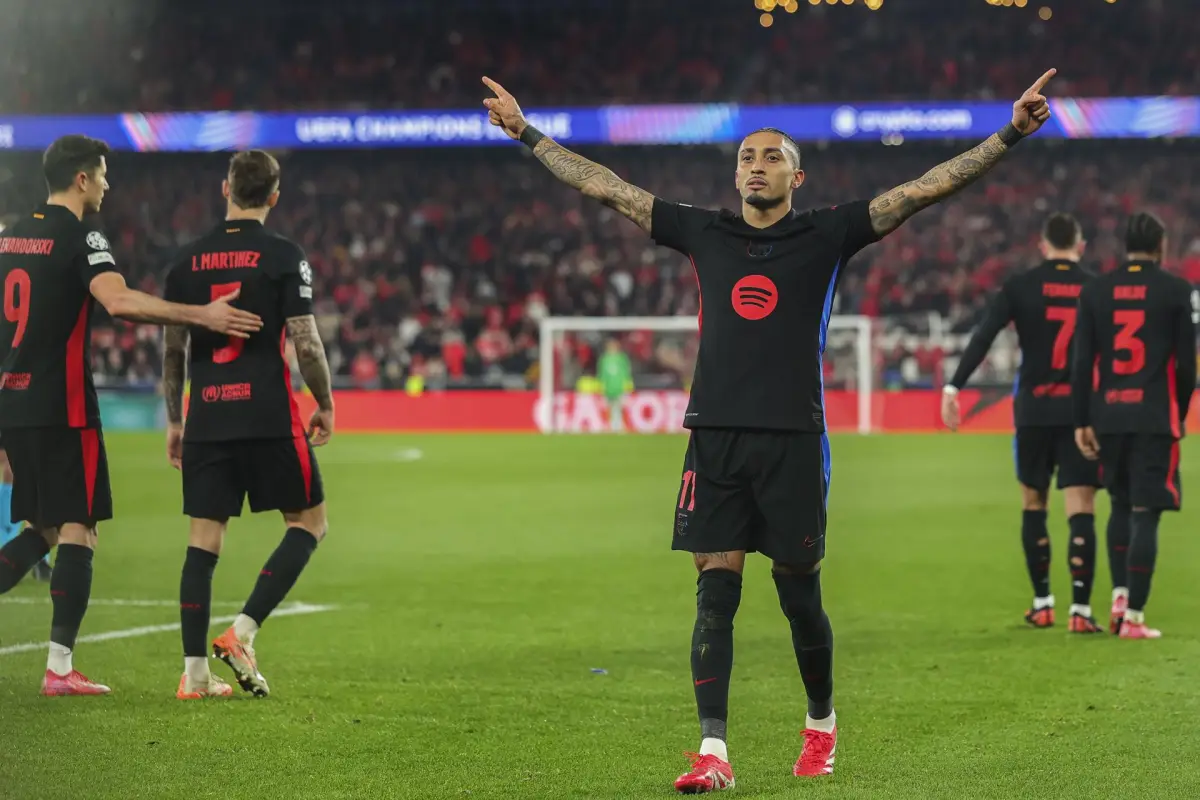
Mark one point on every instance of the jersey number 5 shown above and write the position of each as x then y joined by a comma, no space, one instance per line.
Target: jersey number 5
1066,316
230,352
1126,340
16,305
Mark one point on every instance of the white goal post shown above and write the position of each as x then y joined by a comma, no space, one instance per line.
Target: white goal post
855,328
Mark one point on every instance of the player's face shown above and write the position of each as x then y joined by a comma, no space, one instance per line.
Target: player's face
765,177
94,186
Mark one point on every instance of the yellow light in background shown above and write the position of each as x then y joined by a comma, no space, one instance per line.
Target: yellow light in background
848,2
1020,3
1006,3
790,6
1110,1
814,2
874,5
758,4
768,5
766,20
831,2
1045,13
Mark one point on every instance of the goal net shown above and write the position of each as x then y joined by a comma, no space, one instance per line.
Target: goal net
575,379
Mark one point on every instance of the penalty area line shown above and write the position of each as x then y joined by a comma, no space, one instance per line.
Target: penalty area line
292,610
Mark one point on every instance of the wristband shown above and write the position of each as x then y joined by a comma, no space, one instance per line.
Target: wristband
531,136
949,391
1010,135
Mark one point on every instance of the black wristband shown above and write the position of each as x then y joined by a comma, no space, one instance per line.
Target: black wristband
1010,135
531,136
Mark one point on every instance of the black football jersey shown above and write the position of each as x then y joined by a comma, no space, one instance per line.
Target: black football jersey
47,262
1042,303
765,300
242,388
1135,359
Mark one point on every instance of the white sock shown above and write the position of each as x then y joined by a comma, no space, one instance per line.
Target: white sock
1135,617
245,628
1043,602
196,668
823,725
712,746
1083,611
1120,591
59,660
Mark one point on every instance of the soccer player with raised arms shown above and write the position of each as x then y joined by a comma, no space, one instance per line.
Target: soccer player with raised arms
757,468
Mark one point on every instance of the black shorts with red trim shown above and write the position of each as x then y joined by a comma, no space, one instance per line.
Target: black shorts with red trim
1142,469
275,474
1040,452
60,476
757,491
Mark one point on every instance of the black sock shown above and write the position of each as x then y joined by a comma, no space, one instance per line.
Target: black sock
70,589
1081,554
1036,540
812,637
279,574
1118,544
1143,551
195,600
718,594
19,556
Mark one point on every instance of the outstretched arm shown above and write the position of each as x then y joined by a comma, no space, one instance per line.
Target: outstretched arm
891,209
594,180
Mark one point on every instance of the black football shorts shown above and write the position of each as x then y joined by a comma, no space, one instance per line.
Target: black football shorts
1041,451
758,491
276,475
60,475
1142,469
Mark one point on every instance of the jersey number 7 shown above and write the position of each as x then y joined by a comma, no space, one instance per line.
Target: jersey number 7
1066,316
1129,322
230,352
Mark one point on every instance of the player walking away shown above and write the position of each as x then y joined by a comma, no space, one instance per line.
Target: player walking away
1041,302
1133,378
54,266
616,379
244,435
756,470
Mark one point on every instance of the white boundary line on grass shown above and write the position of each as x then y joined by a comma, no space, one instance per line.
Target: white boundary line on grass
292,610
45,601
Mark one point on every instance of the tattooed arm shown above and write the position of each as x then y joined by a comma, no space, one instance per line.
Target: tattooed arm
310,353
175,350
594,180
890,210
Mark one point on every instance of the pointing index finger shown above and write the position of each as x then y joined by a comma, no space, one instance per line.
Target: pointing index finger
1042,81
495,87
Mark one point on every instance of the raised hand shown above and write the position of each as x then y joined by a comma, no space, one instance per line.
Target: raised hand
503,110
1032,110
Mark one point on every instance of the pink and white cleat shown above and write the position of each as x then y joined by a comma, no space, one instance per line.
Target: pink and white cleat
1138,630
816,757
709,774
1117,615
199,691
74,683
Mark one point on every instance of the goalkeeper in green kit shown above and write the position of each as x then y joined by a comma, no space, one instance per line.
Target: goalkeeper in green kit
616,380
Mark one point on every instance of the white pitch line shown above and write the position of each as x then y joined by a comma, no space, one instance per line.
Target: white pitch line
45,601
146,630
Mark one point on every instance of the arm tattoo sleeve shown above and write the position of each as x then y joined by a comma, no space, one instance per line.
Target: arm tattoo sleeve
175,349
890,210
596,181
310,353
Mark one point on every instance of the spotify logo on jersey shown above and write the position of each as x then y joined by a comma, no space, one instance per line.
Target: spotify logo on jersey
755,297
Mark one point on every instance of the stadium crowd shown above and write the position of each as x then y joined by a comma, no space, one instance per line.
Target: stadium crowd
59,57
443,266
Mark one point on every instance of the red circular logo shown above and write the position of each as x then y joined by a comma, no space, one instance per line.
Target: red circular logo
755,297
211,394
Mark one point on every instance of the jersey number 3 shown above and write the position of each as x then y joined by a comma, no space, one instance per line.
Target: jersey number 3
1066,316
16,303
1129,323
230,352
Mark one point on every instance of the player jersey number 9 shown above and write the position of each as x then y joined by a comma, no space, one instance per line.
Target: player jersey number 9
1129,322
231,351
16,302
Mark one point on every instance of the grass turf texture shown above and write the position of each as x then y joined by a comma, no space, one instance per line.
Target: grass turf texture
479,584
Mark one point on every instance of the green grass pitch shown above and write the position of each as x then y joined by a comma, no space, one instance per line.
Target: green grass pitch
479,580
